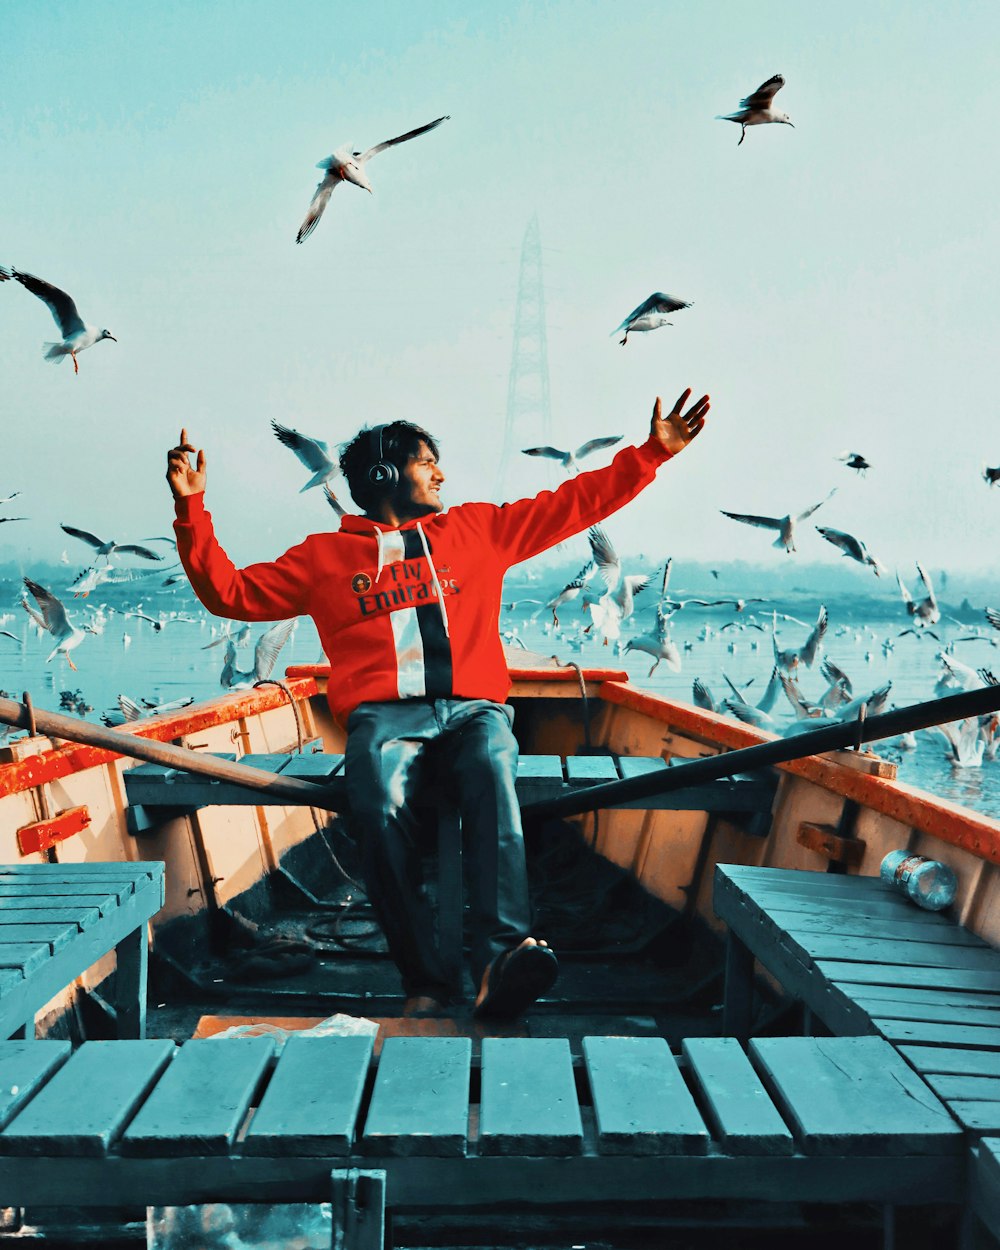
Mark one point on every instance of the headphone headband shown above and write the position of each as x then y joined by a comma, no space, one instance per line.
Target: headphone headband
382,472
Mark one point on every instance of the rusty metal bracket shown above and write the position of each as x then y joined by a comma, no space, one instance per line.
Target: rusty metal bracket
41,834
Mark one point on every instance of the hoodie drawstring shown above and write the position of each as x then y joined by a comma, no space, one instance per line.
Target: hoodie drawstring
380,564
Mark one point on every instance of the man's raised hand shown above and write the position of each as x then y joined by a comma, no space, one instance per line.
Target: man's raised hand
185,478
675,430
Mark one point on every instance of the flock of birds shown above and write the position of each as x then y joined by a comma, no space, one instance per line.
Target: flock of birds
606,591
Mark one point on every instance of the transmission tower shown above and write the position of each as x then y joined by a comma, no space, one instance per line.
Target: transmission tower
529,416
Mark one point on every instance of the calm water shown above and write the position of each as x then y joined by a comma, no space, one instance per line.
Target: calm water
129,657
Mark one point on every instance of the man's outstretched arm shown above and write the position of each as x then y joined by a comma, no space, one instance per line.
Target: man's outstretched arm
261,592
529,526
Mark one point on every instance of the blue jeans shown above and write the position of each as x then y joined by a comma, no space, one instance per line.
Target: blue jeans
389,746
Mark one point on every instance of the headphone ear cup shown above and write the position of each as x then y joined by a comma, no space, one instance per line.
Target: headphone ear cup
383,474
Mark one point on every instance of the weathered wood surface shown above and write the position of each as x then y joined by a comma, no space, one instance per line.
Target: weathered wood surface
56,920
538,777
217,1120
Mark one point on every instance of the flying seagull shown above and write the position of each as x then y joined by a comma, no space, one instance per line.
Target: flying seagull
76,335
52,616
784,525
855,460
347,166
756,109
926,612
315,455
789,658
650,315
107,549
570,591
569,459
851,547
991,476
264,657
617,603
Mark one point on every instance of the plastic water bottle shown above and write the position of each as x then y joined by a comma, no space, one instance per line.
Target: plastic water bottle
928,882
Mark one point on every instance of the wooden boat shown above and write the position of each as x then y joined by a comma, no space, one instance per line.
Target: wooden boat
629,903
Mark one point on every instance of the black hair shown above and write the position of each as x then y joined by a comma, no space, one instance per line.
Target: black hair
400,443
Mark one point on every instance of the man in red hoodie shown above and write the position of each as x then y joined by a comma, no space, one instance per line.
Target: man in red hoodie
406,600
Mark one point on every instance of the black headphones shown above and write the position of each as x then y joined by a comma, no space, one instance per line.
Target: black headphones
382,472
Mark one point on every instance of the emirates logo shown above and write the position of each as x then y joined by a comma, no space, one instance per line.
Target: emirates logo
361,583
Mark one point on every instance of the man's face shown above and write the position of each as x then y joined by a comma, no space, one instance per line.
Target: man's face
422,480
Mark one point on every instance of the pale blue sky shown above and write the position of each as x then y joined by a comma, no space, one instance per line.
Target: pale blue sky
158,160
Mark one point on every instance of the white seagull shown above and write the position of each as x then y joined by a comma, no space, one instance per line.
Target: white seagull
347,166
109,547
785,525
789,658
617,603
571,590
658,644
569,459
265,656
52,616
926,612
757,110
650,315
313,453
852,547
76,335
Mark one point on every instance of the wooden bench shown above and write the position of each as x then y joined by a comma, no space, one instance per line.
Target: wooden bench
56,920
865,960
791,1119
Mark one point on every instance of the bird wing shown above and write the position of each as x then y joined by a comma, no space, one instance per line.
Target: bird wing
993,616
53,613
702,695
766,702
130,709
550,453
927,584
847,543
605,556
316,206
268,645
637,583
765,522
60,304
734,688
595,444
315,455
666,576
657,302
133,549
87,537
834,674
809,511
410,134
765,93
811,646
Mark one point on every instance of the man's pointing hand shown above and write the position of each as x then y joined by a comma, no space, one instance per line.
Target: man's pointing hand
185,478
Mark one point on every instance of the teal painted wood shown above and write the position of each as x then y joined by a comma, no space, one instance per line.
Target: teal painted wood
853,1094
70,912
200,1102
590,769
52,933
950,1061
18,896
943,1013
791,878
844,923
640,765
897,974
984,1188
115,889
420,1102
816,904
540,767
912,954
24,1068
27,956
84,1106
967,1088
740,1111
976,1117
128,869
317,766
528,1103
641,1103
311,1103
932,995
922,1033
19,1004
9,978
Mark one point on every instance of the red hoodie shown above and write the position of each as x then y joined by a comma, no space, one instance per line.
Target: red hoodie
410,612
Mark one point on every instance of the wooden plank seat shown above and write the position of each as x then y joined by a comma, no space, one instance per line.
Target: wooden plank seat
865,960
789,1119
56,920
538,777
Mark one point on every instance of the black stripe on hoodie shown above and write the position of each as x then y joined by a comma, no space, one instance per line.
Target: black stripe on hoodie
437,647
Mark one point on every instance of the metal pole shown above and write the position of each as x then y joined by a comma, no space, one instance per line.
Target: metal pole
781,751
293,790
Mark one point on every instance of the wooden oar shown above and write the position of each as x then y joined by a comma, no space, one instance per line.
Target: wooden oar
290,789
836,737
